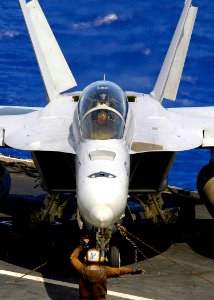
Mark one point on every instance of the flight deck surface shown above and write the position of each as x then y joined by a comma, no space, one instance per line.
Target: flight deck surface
184,269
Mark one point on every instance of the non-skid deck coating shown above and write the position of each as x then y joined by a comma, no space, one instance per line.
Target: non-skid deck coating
171,283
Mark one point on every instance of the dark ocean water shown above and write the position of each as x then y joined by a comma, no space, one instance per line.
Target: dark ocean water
127,40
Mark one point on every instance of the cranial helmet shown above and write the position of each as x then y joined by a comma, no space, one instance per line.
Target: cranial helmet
92,256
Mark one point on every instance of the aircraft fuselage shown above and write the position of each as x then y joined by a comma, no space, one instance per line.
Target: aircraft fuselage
102,160
102,176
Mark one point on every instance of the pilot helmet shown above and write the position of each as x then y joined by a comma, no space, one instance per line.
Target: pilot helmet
103,96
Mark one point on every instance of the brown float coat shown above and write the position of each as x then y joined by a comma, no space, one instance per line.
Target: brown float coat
93,281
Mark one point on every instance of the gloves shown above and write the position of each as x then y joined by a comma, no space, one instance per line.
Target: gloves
138,271
84,242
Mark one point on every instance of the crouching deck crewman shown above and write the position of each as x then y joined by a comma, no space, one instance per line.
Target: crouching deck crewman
94,274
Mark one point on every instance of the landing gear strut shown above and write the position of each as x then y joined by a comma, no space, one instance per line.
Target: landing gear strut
153,209
53,207
103,236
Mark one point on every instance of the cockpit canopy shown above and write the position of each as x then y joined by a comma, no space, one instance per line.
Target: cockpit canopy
103,109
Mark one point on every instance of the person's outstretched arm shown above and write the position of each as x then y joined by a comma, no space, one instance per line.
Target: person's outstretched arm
75,260
75,254
115,272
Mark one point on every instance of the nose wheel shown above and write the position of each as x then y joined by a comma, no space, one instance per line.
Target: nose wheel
103,236
114,256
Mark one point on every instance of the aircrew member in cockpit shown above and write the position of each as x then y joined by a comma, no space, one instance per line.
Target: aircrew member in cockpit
102,115
103,96
102,118
103,99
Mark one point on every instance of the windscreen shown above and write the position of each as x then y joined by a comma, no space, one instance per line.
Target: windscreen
103,108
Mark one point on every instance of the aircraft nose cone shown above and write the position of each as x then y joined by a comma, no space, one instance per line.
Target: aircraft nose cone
102,216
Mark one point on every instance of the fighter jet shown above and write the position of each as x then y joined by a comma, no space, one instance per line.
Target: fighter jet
104,144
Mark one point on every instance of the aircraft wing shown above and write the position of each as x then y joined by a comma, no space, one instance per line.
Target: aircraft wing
159,129
178,129
17,110
201,118
54,69
44,129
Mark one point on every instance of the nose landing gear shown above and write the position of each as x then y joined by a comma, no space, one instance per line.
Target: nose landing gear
103,236
110,252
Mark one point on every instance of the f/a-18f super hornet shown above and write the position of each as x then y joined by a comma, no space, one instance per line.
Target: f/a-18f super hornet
102,143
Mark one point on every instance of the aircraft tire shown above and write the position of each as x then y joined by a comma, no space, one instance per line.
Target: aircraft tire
187,213
5,182
115,259
205,186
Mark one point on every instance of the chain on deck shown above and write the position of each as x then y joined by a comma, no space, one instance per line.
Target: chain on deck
125,233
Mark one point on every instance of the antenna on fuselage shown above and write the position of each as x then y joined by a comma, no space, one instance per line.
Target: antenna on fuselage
104,77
